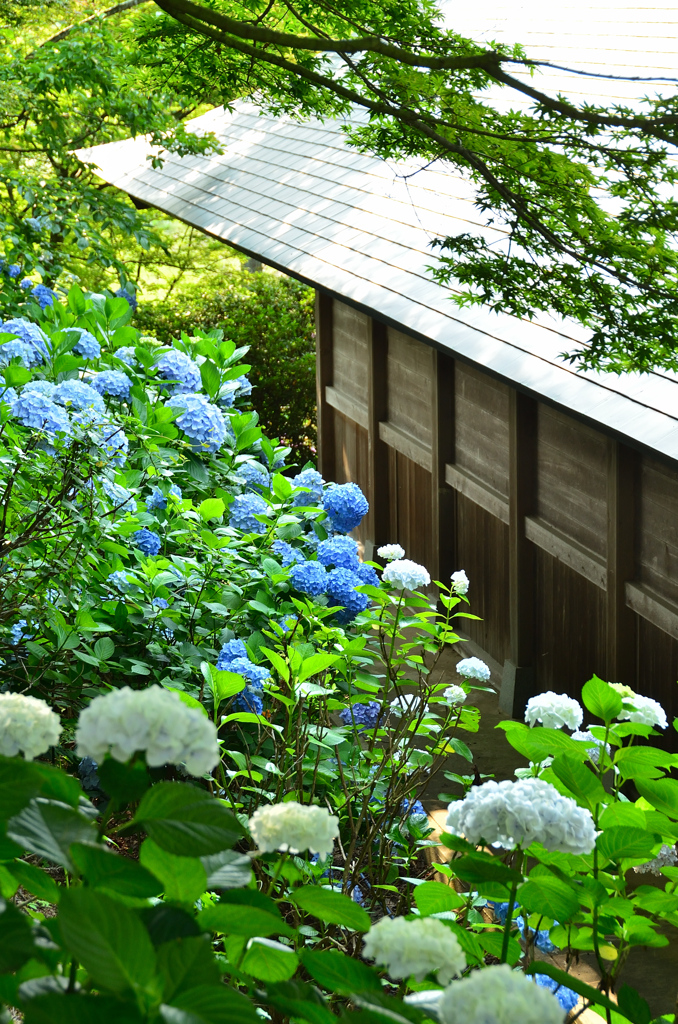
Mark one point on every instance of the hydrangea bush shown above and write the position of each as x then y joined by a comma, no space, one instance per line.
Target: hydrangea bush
217,721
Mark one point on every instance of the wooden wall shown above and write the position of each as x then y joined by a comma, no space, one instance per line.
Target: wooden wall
569,538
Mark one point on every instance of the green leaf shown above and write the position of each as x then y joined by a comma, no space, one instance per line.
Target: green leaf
185,820
104,648
298,999
211,508
492,942
579,780
278,662
339,973
16,376
35,881
16,938
642,762
315,664
601,699
537,744
124,782
478,867
47,828
187,963
75,1008
618,842
184,879
234,919
211,378
633,1006
661,793
19,781
226,684
108,939
436,897
227,870
210,1004
592,995
549,896
113,874
332,907
185,698
269,961
76,300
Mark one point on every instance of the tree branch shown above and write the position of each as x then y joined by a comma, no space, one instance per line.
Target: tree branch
127,5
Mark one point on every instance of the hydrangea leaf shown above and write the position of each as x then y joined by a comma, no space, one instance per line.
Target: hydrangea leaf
549,896
269,961
620,841
236,919
339,973
107,871
332,907
436,897
187,821
601,699
579,780
183,879
48,828
209,1004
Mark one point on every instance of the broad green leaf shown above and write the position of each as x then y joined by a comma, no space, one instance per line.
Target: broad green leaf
16,938
76,1008
185,698
601,699
226,684
661,793
227,870
579,780
643,762
187,963
15,376
315,664
269,961
492,942
183,879
35,881
549,896
124,782
211,378
104,648
332,907
477,868
623,814
210,1004
47,828
19,781
339,973
436,897
538,743
108,939
619,842
234,919
633,1006
299,1000
211,508
187,821
278,662
113,874
76,300
8,884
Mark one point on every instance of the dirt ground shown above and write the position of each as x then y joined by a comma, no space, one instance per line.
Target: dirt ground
653,972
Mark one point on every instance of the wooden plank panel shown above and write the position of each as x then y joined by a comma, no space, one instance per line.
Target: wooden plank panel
651,606
411,512
482,550
622,481
572,475
347,406
353,464
482,415
405,443
468,484
410,374
658,529
584,561
350,330
657,674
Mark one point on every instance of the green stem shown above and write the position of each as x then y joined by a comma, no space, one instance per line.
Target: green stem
509,922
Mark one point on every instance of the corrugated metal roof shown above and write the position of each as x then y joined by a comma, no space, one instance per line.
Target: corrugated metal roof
296,196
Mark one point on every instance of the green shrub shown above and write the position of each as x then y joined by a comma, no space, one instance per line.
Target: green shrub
274,317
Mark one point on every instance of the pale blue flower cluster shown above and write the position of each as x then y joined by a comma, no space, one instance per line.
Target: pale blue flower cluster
147,541
75,394
253,475
43,295
42,387
122,293
119,496
234,658
567,998
26,284
339,552
32,337
126,354
13,270
121,581
86,345
158,500
340,589
238,388
286,553
474,668
242,511
180,370
112,382
17,350
202,422
7,395
313,481
32,409
309,577
18,632
160,602
346,506
367,575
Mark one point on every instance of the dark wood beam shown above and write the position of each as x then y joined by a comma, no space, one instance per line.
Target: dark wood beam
622,490
377,412
327,461
443,498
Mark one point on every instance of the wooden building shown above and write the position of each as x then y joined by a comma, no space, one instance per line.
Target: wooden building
477,445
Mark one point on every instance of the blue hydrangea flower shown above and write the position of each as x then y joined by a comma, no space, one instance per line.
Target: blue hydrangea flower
18,632
14,270
43,295
311,479
367,575
122,293
7,395
542,939
567,998
121,581
253,475
107,435
229,652
159,500
248,701
160,602
87,770
288,622
30,334
412,808
42,387
147,541
340,588
340,552
255,674
32,409
346,506
126,354
286,553
35,223
363,715
112,382
18,350
78,395
181,370
202,422
26,284
120,497
86,345
309,577
242,511
244,387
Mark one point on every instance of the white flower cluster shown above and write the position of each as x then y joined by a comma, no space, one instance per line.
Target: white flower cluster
404,574
455,694
639,709
666,858
28,725
587,737
409,702
391,552
420,947
508,814
153,721
498,995
293,827
460,582
473,668
554,710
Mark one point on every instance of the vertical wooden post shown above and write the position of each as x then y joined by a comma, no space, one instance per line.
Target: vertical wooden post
377,410
323,376
518,680
443,498
622,469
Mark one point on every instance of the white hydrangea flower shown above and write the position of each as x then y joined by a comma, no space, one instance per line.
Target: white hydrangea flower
28,725
153,721
530,810
554,710
455,694
639,709
391,552
408,702
420,947
498,995
474,668
293,827
587,737
460,582
666,858
404,574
